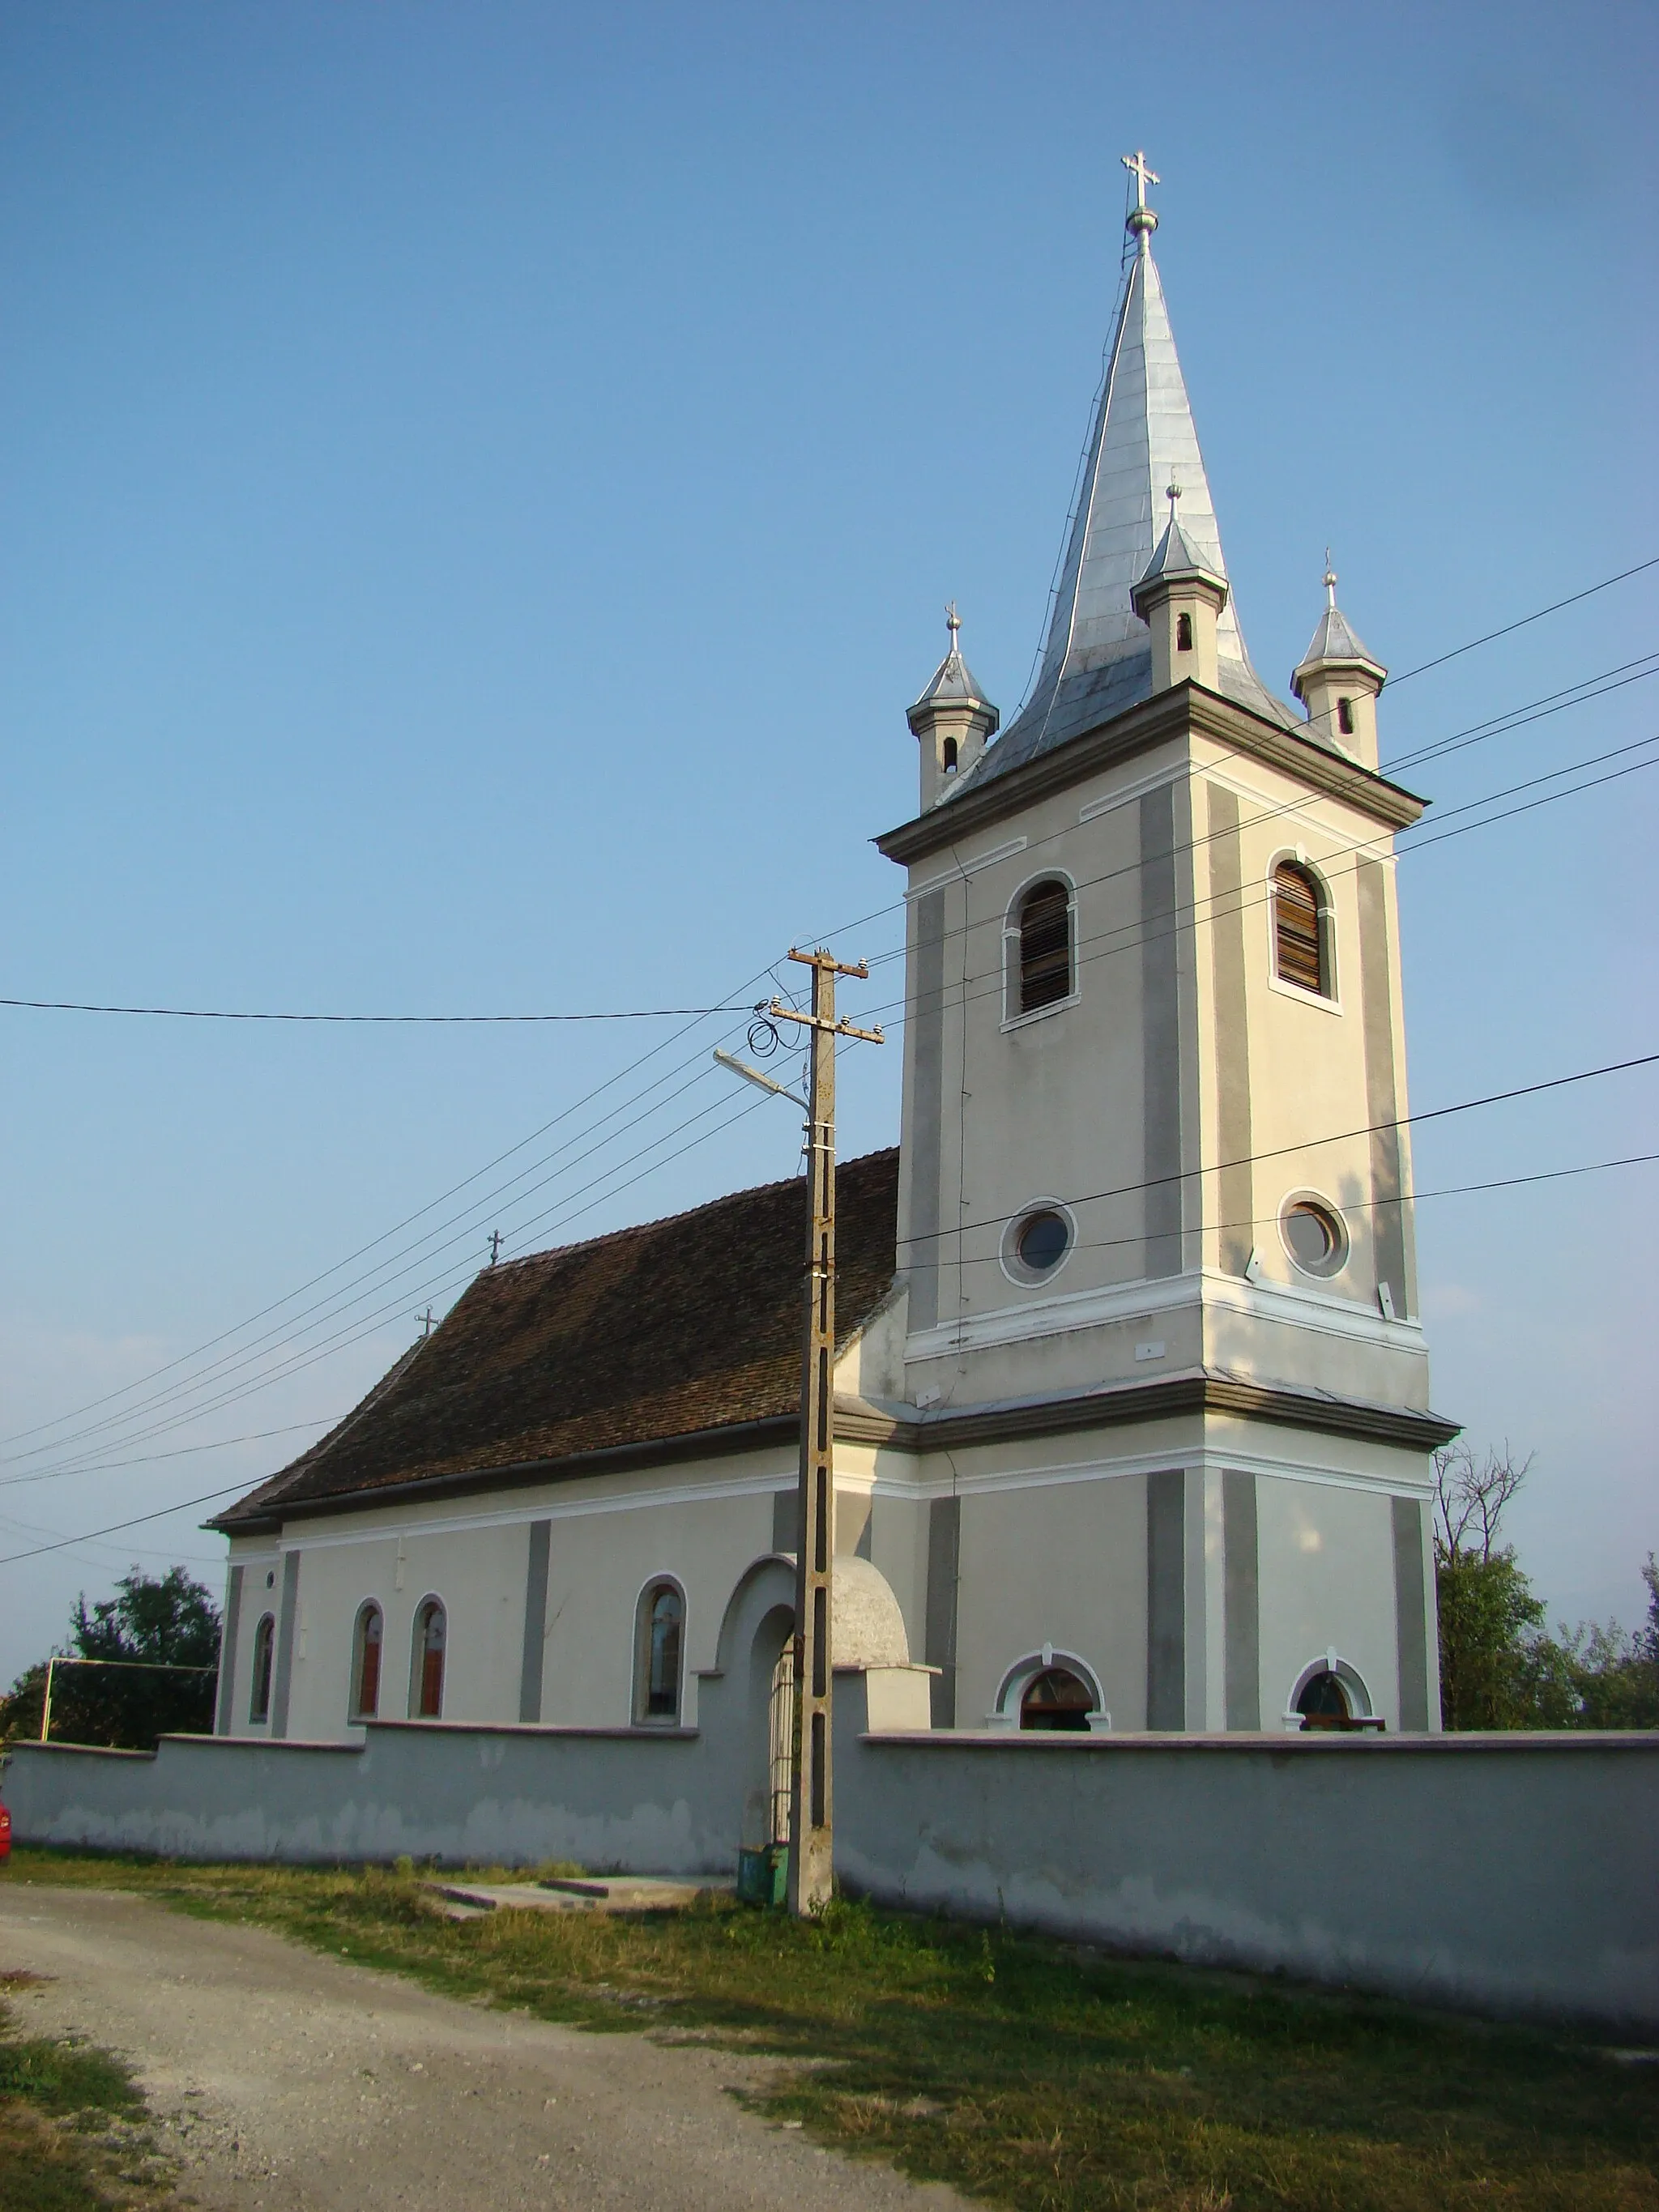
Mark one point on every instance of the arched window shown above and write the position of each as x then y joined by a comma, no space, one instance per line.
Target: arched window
656,1654
1056,1698
950,756
1045,945
1184,632
1301,953
1323,1702
366,1663
426,1700
1345,716
265,1648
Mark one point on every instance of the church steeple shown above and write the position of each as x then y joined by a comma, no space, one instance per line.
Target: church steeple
1098,658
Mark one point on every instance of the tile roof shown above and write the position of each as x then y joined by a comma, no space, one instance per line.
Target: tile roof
664,1330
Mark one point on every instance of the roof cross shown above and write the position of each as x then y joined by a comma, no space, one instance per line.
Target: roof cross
1141,219
1136,165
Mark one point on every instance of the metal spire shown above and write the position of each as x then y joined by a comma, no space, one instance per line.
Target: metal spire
1098,660
1330,581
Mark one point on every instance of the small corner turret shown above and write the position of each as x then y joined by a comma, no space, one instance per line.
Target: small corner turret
1179,597
951,720
1338,682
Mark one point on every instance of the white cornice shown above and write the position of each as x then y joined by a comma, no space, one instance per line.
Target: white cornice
1321,1312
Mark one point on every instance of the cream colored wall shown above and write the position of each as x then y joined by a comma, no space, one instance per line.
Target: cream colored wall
1064,1564
1050,1106
257,1558
1326,1582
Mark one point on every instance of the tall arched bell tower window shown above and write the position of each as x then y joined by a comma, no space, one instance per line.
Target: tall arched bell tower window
1042,947
1302,951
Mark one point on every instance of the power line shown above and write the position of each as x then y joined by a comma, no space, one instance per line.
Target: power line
1452,1190
354,1332
1312,1143
1589,592
1191,913
218,1014
1579,693
1354,1205
478,1175
694,1018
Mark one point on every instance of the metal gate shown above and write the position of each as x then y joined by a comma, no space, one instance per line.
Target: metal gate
780,1740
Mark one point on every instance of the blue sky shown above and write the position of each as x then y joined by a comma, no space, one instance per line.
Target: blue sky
481,487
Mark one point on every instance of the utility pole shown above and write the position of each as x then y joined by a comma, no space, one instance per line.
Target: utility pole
812,1852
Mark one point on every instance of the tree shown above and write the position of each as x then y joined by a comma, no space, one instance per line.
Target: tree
1618,1674
168,1620
1497,1668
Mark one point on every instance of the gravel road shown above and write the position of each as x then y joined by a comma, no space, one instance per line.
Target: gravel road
284,2079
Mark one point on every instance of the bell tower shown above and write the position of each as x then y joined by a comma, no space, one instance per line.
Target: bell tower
1154,1213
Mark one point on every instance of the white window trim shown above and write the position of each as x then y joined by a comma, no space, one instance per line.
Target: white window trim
1302,1194
1330,1002
1010,962
1006,1251
1018,1678
639,1686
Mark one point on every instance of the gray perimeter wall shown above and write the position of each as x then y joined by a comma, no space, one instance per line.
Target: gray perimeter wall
1510,1875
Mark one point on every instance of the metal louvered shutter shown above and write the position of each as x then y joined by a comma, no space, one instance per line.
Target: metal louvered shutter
1296,918
1045,947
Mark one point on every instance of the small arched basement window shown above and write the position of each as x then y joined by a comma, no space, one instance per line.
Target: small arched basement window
1323,1702
265,1648
1045,945
366,1662
657,1657
1184,632
1056,1699
1300,951
431,1637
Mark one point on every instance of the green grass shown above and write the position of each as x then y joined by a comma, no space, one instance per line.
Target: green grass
72,2137
1037,2076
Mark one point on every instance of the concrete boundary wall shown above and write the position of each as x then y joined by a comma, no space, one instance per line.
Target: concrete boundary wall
1511,1874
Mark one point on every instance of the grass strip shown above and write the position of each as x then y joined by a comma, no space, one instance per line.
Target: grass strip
73,2136
1028,2072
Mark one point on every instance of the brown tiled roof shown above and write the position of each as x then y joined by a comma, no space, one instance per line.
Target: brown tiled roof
669,1329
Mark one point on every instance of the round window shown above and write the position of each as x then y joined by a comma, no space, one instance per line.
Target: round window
1314,1237
1042,1240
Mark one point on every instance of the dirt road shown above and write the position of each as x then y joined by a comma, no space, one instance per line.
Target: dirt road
292,2082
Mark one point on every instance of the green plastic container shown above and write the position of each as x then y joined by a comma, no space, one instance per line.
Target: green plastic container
763,1875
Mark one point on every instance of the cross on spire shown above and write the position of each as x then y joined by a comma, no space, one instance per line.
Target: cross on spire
952,621
1141,219
1330,579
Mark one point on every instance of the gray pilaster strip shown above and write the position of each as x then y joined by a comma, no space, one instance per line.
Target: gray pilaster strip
1160,1033
940,1627
535,1620
1166,1599
1242,1597
287,1614
1411,1613
927,1076
228,1650
1235,1194
1381,1090
786,1520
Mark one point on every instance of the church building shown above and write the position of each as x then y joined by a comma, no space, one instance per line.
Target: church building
1131,1397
